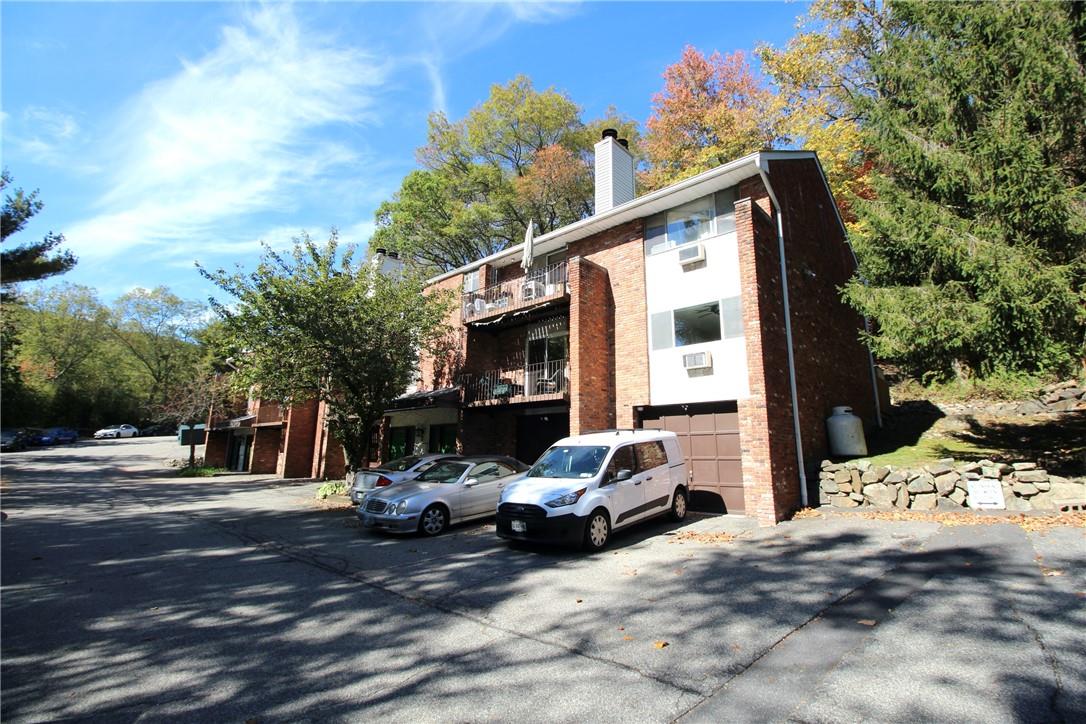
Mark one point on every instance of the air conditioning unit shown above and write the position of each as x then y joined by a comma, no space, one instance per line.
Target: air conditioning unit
692,254
697,361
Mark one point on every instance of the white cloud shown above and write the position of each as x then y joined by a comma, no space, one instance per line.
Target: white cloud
236,131
43,135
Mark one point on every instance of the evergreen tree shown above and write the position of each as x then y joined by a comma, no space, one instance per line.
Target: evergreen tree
30,261
974,245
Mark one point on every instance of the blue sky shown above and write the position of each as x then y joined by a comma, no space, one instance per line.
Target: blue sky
162,133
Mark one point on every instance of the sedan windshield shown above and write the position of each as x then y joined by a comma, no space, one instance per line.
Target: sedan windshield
569,462
398,466
443,473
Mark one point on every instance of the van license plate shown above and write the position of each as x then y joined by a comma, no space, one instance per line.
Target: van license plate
519,526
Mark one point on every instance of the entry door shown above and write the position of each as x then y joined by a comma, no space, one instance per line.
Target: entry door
652,463
401,442
546,363
627,496
536,433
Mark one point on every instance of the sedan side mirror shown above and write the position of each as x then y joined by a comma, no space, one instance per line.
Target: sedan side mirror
621,475
470,482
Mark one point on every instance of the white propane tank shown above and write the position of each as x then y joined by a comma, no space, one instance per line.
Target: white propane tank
846,433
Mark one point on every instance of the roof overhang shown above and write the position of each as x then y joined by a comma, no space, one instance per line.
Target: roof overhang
695,187
445,397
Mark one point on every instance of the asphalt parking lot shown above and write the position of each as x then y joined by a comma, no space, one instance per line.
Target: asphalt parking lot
127,595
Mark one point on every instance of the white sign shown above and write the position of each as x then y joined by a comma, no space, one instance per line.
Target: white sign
986,494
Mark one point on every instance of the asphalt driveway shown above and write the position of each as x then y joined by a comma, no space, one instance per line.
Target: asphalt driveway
127,595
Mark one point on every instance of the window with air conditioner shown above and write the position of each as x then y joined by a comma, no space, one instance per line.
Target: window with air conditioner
691,222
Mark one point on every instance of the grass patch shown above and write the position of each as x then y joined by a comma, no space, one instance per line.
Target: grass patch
200,471
1000,387
931,449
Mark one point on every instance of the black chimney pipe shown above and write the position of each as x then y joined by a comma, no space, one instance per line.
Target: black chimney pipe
624,143
609,133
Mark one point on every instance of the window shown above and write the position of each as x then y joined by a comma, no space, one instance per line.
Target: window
569,462
446,472
471,281
650,455
684,224
694,325
708,322
490,471
443,438
622,460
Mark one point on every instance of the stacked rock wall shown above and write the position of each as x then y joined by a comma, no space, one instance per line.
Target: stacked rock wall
944,486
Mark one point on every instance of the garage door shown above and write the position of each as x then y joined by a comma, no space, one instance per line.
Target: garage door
710,442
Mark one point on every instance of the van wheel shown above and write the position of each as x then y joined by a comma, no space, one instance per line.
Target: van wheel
433,521
678,505
597,531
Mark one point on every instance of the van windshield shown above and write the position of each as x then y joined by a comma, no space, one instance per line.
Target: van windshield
569,461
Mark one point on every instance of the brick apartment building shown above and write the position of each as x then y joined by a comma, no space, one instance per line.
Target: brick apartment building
709,308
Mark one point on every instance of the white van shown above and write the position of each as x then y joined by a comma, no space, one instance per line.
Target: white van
585,486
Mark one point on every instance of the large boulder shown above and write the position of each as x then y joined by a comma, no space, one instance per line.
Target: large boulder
1031,476
923,484
924,501
881,495
946,482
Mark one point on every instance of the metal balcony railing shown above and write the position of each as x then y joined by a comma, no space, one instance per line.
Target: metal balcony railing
545,379
524,291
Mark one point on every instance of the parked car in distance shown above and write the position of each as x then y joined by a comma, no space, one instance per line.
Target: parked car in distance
449,492
115,431
395,471
12,440
62,435
164,428
586,486
36,436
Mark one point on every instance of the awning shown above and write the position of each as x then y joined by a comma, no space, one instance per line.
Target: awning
445,397
243,421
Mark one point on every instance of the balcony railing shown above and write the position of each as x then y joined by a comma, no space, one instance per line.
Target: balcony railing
535,287
546,380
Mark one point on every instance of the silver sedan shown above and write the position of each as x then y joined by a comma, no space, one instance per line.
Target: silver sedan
450,492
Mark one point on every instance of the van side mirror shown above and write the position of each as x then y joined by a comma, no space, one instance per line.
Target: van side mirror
621,475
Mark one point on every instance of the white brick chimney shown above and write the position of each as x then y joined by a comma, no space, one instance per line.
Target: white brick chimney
614,172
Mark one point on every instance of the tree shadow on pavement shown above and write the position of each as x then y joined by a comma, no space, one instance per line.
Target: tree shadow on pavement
225,613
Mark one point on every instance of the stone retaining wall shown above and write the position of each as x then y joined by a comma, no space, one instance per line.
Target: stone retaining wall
944,485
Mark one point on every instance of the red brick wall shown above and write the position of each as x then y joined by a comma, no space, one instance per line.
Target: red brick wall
767,442
328,462
300,431
436,373
216,448
621,252
265,456
832,365
592,347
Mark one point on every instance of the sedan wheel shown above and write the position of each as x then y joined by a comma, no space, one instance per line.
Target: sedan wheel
433,520
597,532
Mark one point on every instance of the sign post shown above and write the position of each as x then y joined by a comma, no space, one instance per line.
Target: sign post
192,435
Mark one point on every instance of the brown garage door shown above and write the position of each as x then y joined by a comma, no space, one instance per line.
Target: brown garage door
710,442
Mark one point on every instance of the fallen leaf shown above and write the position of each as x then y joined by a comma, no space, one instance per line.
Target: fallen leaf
621,628
867,621
661,644
1051,572
579,600
627,638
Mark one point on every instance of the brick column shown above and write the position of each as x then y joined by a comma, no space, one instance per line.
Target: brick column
591,347
300,432
215,448
265,458
766,435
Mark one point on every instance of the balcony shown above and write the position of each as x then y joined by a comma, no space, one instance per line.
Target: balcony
534,289
531,383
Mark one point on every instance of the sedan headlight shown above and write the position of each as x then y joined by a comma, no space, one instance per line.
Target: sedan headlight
567,499
400,508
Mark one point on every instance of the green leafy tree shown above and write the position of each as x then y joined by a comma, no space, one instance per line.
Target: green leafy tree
974,244
522,155
156,327
319,324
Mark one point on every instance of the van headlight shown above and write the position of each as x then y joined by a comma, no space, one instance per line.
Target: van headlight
567,499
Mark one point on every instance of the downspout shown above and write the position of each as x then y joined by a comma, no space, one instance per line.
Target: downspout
787,332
